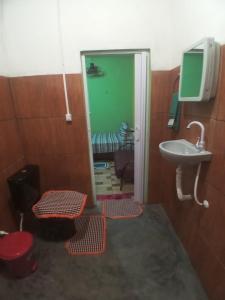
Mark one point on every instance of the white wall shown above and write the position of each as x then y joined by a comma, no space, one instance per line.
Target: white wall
29,42
31,36
193,20
3,66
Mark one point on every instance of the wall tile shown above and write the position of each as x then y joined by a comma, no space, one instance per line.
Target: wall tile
6,105
156,131
58,147
63,171
221,87
212,223
10,144
160,91
155,184
38,96
216,170
11,154
209,269
53,135
76,95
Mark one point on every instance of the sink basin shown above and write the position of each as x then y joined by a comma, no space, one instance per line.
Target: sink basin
183,152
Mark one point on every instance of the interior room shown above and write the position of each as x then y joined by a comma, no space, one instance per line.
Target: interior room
146,78
110,92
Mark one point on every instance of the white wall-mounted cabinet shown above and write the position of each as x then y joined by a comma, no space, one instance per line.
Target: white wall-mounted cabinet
199,71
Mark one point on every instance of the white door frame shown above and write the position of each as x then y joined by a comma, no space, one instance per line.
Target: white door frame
142,118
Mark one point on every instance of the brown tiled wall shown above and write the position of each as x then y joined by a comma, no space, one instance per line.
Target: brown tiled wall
33,130
11,153
160,99
59,148
201,230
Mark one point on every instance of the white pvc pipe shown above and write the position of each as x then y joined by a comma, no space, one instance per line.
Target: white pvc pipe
68,114
180,194
66,94
205,203
21,221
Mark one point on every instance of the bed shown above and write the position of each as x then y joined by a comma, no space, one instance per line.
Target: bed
106,142
109,142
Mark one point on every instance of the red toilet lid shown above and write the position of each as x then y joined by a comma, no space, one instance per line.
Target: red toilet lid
16,244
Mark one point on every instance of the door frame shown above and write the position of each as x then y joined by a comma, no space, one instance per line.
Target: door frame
142,94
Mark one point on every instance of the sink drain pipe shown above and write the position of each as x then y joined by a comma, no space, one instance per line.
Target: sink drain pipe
205,203
180,194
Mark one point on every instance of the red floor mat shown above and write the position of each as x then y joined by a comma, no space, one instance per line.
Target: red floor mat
121,209
90,237
114,196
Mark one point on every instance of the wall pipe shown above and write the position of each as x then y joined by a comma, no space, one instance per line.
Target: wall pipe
68,113
180,194
205,203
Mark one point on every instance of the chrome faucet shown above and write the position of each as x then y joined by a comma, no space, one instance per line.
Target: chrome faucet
200,145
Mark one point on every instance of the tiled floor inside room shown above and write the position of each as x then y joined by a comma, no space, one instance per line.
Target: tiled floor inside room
144,260
107,183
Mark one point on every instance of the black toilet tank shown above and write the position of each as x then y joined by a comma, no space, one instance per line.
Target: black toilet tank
24,187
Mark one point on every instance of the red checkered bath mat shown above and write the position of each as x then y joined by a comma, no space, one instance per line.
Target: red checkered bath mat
60,204
121,209
90,237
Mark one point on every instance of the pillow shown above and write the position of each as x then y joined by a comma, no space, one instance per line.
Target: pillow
123,131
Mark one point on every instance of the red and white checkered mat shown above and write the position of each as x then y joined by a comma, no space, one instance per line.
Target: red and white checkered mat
60,204
121,209
90,237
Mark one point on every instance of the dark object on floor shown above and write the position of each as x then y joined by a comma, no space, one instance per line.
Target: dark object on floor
90,238
16,250
124,165
57,211
24,188
56,229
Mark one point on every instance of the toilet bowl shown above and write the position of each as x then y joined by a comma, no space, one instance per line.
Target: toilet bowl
16,250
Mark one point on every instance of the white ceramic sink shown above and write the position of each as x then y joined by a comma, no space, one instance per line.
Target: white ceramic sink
183,152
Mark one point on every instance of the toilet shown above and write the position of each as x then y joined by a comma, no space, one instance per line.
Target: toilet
24,188
16,251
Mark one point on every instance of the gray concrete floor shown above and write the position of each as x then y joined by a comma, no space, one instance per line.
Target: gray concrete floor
144,260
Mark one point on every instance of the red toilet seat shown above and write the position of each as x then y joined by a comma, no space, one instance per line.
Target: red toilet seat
15,245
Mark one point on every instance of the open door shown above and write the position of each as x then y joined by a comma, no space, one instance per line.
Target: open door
141,118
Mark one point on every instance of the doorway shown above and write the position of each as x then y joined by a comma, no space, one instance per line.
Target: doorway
132,117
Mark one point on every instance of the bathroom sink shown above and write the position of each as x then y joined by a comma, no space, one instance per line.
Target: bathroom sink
183,152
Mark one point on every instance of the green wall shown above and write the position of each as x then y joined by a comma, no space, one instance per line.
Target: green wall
111,96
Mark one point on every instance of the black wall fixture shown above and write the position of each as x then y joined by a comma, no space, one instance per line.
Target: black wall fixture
94,70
